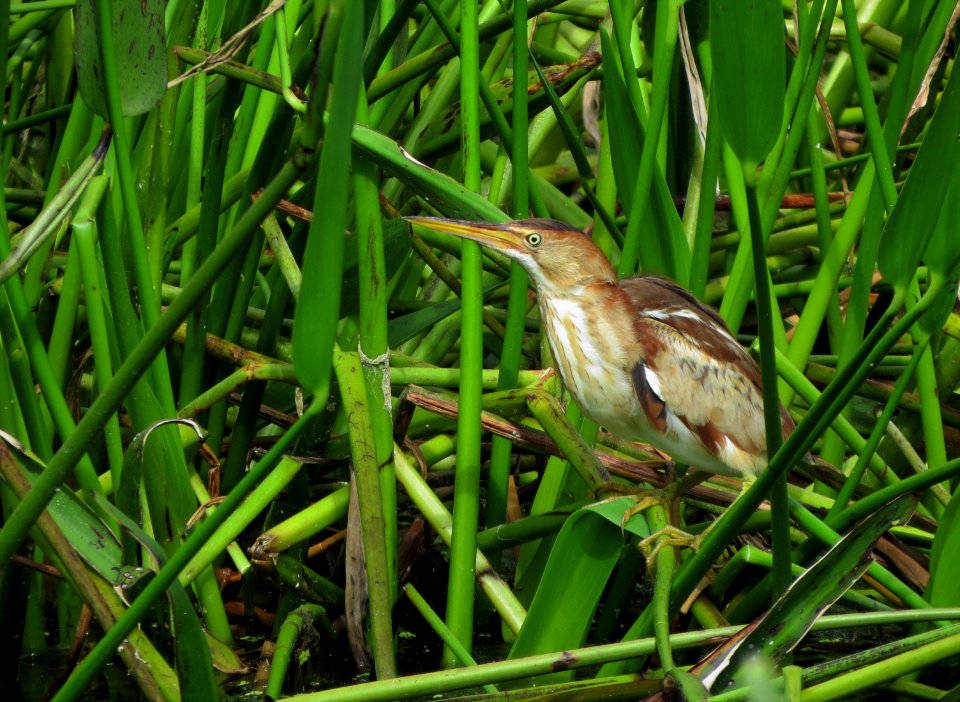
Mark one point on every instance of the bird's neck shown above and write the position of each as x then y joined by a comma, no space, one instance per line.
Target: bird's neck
579,316
599,284
587,292
594,346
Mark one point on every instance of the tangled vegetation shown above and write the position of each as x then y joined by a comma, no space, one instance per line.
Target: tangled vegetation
261,436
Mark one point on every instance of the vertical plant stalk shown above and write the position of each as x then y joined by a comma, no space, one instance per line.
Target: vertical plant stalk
327,239
60,343
501,448
366,468
871,117
24,407
84,229
771,396
147,287
666,559
747,48
191,254
800,93
818,179
373,347
26,327
466,500
665,47
703,234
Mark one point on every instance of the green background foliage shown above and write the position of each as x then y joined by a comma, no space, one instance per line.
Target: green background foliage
243,401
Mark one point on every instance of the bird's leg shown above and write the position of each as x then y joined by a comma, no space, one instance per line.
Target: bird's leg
674,536
644,496
665,496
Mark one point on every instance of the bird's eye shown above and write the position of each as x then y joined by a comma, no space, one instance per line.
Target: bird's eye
533,240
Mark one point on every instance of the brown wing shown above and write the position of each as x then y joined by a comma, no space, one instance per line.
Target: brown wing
706,378
664,292
664,301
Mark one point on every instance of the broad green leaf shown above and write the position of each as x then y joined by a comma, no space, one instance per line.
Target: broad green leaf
943,254
140,55
624,125
923,215
318,307
945,559
613,511
163,490
93,540
71,534
583,557
749,73
159,451
667,251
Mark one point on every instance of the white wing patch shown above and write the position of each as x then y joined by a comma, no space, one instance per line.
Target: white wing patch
664,315
653,381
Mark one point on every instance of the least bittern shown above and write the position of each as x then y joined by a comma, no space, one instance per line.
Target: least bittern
641,356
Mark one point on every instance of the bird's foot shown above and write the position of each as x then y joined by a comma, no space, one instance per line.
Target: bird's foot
646,500
665,497
669,536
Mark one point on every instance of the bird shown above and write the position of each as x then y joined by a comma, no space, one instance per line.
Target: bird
641,356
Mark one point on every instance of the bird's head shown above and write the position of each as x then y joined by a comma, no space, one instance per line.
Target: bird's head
556,255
